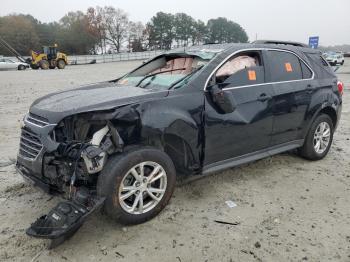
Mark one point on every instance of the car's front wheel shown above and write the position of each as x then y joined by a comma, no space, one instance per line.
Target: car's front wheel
137,185
319,138
21,67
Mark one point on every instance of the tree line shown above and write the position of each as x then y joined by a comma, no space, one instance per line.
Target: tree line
109,30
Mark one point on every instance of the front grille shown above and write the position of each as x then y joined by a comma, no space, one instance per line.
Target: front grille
37,120
30,145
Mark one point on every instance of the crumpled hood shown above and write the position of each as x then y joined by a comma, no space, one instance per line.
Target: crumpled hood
95,97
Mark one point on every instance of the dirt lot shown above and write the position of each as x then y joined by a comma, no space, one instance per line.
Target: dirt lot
288,209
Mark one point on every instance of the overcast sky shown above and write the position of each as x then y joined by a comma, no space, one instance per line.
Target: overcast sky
270,19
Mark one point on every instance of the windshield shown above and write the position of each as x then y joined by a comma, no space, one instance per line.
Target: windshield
167,71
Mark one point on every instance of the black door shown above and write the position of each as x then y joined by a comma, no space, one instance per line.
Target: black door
247,129
292,93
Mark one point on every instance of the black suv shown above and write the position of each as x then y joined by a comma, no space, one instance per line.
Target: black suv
120,144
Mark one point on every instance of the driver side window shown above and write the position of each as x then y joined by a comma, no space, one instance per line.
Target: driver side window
245,68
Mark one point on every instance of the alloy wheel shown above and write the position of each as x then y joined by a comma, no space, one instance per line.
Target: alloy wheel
142,188
322,137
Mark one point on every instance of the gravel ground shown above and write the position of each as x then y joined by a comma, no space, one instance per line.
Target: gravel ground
288,209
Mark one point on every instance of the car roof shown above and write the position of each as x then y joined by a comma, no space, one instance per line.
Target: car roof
223,48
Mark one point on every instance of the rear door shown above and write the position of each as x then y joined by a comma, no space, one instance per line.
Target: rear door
293,85
247,129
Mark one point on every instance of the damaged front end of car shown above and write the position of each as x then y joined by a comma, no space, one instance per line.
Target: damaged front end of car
66,158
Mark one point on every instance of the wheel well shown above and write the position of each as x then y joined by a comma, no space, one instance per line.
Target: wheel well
180,153
177,149
331,113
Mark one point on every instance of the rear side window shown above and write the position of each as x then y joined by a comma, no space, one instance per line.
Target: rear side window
307,73
319,65
284,66
318,59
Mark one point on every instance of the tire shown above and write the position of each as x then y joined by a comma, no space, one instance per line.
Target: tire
117,174
308,150
342,63
44,64
21,67
34,66
61,64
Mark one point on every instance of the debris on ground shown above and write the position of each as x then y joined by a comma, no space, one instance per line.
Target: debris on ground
227,223
230,204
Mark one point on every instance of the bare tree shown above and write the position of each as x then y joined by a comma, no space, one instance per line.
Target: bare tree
116,23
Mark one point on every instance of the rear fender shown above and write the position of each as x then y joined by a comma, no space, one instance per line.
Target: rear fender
326,108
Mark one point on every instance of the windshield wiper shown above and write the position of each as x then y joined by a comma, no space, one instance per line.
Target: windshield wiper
158,73
186,76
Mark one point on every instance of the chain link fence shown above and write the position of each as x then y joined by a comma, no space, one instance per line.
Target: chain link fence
108,58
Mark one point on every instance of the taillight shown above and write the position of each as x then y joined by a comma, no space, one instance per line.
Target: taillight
340,87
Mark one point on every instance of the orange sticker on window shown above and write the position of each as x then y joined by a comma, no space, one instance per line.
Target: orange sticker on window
289,67
251,75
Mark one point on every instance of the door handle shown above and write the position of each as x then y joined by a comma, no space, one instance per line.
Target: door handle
264,97
309,88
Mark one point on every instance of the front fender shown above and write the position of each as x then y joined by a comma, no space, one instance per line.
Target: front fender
173,124
177,131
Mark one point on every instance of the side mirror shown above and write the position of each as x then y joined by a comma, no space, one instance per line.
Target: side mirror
223,99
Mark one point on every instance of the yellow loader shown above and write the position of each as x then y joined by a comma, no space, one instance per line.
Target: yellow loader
49,59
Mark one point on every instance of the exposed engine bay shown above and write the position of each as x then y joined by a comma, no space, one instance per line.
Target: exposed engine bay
83,145
82,152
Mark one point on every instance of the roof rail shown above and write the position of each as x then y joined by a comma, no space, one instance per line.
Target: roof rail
277,42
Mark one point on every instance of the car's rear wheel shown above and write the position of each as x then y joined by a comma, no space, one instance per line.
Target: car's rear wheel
319,139
137,185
